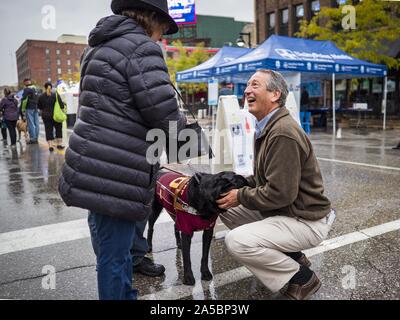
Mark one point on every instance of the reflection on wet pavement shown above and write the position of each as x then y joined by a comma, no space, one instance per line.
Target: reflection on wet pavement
363,196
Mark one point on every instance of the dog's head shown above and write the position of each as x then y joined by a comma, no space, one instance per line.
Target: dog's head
205,189
22,125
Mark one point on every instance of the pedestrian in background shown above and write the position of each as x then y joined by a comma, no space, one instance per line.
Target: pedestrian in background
9,109
29,103
46,105
304,100
126,91
225,89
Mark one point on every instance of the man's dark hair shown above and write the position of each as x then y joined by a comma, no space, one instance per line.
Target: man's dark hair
48,84
223,83
27,82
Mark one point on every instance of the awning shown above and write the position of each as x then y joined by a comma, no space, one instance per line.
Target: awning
204,71
302,55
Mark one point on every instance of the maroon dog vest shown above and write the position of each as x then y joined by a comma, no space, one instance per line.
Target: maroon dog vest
172,194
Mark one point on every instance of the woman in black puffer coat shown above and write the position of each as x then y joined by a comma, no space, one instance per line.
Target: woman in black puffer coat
126,92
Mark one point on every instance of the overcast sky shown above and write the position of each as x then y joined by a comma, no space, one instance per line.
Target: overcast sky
22,19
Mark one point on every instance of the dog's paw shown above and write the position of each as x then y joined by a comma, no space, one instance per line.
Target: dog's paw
188,280
206,275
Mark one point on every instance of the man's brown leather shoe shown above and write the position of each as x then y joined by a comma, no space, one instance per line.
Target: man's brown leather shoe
303,292
304,261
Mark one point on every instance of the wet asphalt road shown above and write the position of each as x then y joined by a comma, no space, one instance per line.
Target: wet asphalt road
362,178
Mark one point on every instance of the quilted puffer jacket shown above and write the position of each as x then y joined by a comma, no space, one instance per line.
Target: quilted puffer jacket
126,91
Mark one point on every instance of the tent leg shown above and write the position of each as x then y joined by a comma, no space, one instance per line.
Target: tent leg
384,102
333,105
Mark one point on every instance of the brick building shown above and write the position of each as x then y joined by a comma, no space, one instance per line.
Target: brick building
49,60
283,17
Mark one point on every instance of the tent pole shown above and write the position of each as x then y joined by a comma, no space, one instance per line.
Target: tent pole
384,102
333,105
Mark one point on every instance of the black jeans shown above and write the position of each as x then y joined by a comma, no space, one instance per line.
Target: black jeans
139,246
49,126
4,133
11,125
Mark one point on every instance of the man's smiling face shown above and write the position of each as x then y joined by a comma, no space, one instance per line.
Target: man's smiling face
259,99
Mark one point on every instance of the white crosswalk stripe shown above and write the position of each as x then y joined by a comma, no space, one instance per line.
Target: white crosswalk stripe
31,238
232,276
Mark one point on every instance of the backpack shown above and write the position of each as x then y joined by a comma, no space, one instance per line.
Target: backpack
33,97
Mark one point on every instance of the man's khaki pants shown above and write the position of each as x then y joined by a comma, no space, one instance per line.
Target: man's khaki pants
258,243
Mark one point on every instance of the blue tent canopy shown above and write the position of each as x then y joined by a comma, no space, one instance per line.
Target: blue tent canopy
204,71
300,55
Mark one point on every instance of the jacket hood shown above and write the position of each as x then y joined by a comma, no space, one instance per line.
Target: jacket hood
113,27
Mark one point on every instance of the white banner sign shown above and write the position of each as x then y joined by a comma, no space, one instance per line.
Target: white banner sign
233,142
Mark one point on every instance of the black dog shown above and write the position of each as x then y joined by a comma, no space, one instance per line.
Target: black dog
191,202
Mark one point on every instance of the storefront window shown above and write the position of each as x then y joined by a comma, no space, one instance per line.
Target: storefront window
300,11
315,7
271,20
391,85
377,85
285,16
365,84
340,85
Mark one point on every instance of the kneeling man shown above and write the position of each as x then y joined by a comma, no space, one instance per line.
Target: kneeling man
284,209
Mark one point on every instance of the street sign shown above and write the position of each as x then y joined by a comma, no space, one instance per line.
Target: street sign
182,11
212,92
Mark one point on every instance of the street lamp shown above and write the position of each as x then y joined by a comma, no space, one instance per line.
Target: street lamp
240,42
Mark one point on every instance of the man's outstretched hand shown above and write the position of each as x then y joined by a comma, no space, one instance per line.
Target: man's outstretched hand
229,200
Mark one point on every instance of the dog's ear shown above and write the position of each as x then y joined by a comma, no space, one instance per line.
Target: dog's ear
240,182
222,186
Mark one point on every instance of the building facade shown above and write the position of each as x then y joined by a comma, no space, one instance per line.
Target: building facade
43,61
282,17
213,31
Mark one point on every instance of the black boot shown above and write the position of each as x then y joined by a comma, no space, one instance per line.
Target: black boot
149,268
